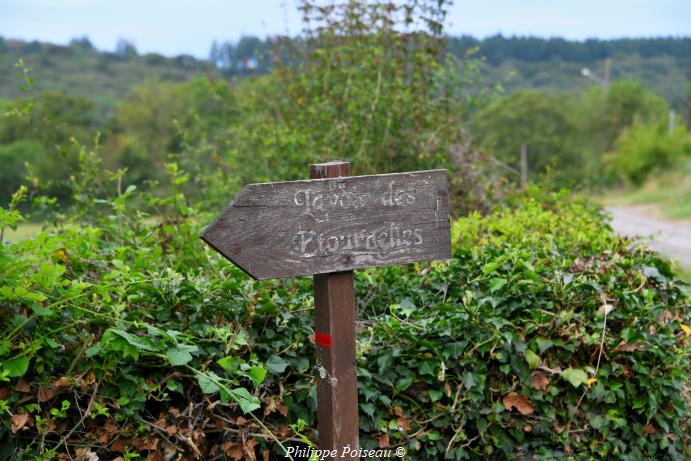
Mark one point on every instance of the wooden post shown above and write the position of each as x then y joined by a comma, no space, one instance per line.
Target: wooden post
334,300
327,227
607,73
524,166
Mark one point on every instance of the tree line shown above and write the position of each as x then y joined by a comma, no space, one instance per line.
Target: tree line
252,55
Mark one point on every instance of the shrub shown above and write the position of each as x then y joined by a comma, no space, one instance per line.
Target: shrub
644,149
544,335
543,122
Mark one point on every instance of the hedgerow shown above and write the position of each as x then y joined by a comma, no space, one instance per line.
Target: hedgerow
122,336
544,337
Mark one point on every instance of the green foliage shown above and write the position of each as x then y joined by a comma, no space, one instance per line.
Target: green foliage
122,334
371,97
36,137
644,149
389,99
94,311
540,120
491,355
603,116
13,158
360,89
81,70
568,136
532,49
149,123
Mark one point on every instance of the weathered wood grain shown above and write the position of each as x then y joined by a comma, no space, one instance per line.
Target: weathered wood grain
287,229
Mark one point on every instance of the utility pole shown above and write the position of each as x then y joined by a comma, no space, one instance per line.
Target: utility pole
671,122
602,81
524,166
607,65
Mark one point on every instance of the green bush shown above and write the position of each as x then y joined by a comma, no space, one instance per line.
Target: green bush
644,149
568,134
540,120
41,132
122,334
516,321
368,84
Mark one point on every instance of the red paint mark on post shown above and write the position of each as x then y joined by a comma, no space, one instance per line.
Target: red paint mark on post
323,339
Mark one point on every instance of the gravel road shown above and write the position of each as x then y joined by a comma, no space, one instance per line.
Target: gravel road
671,238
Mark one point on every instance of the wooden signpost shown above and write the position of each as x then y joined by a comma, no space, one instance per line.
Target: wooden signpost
327,227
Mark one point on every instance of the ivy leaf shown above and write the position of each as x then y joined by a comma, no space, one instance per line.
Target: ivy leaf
42,311
16,367
406,307
368,408
543,344
403,383
469,380
229,363
496,284
435,395
177,356
257,375
519,402
207,382
575,376
248,403
653,272
532,358
275,364
139,342
490,267
427,368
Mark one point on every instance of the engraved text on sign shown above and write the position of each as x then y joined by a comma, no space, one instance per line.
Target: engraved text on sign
286,229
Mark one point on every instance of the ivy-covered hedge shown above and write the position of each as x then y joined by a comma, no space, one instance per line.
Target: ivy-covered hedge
544,337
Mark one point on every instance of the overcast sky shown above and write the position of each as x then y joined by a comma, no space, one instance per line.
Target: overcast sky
174,27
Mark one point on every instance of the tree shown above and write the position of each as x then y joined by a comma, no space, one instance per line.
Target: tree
82,43
39,131
125,49
215,54
365,86
144,118
149,121
540,120
642,149
603,117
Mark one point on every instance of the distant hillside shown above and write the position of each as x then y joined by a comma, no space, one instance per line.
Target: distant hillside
79,69
662,64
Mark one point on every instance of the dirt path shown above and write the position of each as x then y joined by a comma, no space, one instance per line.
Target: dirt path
671,238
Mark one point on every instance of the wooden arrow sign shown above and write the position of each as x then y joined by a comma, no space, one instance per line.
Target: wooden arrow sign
288,229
